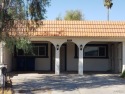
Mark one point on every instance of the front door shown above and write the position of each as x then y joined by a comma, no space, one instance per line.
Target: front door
53,58
112,51
63,58
120,57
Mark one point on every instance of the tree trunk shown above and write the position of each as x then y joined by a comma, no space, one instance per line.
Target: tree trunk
108,14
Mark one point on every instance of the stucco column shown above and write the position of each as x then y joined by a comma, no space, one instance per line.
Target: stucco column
123,56
57,60
2,44
1,57
80,65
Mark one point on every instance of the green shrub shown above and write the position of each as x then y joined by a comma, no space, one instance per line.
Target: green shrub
123,74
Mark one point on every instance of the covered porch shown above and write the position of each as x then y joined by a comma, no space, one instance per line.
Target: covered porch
69,57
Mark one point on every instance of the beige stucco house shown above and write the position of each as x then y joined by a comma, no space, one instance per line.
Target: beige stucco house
70,46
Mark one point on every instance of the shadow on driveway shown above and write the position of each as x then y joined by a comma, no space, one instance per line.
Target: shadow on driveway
65,82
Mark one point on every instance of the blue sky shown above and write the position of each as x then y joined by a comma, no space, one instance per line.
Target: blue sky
92,9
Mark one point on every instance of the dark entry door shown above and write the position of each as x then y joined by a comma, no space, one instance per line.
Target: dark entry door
25,63
63,58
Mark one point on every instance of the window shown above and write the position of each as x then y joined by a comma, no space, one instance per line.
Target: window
42,51
35,50
39,50
90,51
94,51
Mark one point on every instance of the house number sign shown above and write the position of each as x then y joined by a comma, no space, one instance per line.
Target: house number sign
69,40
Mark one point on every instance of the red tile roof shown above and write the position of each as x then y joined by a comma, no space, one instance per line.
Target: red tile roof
71,28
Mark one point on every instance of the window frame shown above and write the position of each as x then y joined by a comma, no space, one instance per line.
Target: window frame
38,45
44,49
93,45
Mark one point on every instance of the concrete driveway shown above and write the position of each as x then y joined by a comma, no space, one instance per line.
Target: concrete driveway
68,84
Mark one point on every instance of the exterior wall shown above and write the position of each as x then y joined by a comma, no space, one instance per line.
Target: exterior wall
117,57
85,40
89,64
72,63
96,64
7,59
43,63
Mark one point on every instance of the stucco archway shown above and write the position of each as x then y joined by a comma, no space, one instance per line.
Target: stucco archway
68,58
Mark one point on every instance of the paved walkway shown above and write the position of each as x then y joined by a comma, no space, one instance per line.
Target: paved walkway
68,84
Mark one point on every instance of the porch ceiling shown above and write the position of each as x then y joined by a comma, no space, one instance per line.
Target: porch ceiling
70,28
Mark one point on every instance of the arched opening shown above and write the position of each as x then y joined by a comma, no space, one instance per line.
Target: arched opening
68,59
103,57
42,59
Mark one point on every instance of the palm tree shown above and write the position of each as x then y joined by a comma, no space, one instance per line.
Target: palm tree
108,4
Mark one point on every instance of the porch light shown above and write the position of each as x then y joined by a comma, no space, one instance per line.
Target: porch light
57,47
81,47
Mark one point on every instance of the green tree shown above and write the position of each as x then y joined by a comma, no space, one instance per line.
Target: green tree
74,15
59,17
37,8
17,10
108,4
11,10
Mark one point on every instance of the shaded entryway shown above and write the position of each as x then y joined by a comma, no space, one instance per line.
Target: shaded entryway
52,58
68,61
103,57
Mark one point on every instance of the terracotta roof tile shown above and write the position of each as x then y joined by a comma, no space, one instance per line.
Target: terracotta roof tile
72,28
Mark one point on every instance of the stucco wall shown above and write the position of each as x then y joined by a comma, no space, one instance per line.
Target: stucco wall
89,64
84,41
118,57
96,65
43,63
72,63
7,59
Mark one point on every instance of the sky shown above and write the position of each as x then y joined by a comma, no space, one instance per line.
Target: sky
92,9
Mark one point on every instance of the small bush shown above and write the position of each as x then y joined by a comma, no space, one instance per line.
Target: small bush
123,74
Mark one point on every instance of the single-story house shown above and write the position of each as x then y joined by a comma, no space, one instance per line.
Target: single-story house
70,46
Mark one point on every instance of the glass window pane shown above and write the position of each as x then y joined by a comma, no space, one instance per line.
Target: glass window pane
91,51
35,51
42,51
102,51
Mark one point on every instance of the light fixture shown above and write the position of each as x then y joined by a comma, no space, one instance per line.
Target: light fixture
57,47
81,47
